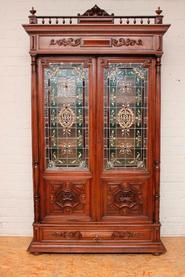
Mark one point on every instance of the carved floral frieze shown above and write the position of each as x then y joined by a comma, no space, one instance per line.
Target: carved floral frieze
68,235
73,42
65,42
126,42
126,235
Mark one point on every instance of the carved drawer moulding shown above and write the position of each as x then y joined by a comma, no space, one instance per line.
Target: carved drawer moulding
95,84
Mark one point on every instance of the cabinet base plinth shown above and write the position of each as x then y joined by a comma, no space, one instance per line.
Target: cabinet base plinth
96,238
152,248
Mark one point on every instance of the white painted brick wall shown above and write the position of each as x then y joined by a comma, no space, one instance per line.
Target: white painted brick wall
16,206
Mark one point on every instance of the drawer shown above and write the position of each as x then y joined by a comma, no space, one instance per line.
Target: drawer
58,234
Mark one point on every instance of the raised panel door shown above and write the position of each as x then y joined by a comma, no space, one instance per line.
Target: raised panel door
124,142
66,108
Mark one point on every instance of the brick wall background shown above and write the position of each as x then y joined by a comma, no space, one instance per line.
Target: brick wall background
16,206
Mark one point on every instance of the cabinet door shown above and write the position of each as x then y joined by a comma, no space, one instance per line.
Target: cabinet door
66,103
126,116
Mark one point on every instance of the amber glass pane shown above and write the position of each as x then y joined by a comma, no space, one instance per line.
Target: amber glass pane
66,115
125,116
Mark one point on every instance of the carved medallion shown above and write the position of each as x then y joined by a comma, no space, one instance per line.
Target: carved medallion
66,117
68,198
125,198
125,118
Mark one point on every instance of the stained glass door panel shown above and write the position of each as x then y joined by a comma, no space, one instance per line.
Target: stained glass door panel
66,116
125,116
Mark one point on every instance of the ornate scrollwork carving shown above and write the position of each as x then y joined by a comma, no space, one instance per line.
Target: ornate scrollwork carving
125,198
68,197
126,42
96,11
126,235
68,235
65,42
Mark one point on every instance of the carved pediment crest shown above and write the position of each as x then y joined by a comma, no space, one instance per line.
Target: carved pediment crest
96,11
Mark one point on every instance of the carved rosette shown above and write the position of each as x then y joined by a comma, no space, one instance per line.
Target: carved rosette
125,199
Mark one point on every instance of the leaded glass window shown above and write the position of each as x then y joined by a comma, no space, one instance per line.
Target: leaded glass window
125,116
66,115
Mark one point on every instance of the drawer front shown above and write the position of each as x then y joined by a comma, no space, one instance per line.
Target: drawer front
95,236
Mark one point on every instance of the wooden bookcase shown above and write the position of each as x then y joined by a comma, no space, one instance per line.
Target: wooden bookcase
96,132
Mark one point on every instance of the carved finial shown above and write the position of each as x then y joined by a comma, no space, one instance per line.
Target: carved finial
158,17
158,11
32,17
33,11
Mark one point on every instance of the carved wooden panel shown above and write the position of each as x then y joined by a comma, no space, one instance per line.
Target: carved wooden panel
126,42
66,42
67,235
61,42
68,198
124,199
127,235
114,43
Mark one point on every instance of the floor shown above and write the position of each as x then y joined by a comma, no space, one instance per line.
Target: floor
16,261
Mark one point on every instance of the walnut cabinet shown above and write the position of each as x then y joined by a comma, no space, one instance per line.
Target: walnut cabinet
96,132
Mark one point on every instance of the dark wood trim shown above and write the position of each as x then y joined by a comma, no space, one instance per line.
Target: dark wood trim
157,141
35,143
